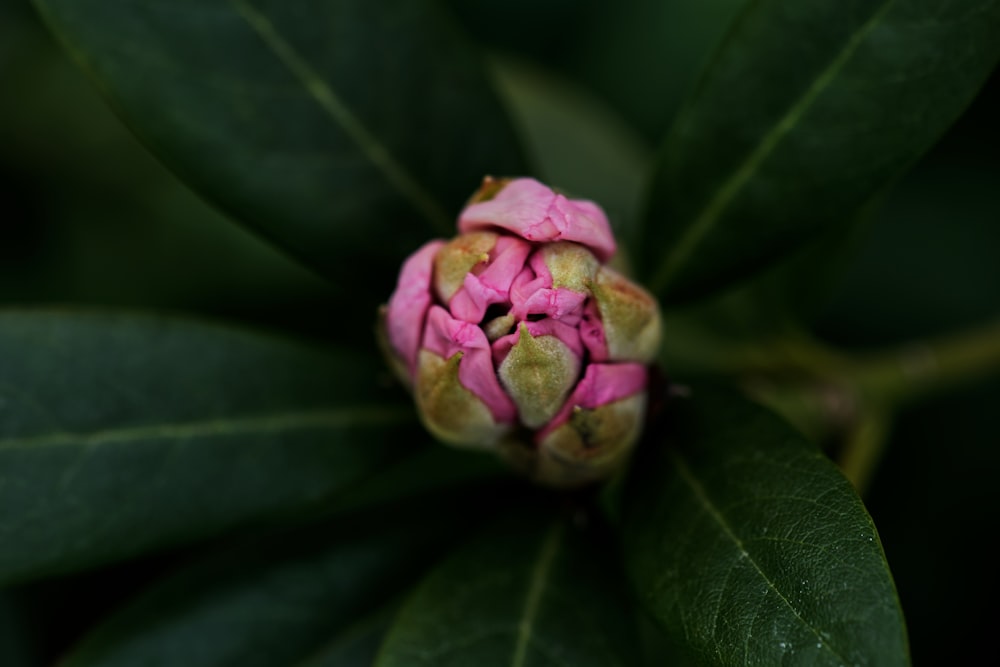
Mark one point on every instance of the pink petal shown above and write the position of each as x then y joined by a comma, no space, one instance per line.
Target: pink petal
536,213
601,384
592,333
493,282
532,294
561,304
526,284
409,302
445,336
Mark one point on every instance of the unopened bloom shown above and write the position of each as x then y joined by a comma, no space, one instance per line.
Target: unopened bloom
515,336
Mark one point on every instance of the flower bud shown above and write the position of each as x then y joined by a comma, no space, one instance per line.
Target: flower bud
452,412
515,336
538,374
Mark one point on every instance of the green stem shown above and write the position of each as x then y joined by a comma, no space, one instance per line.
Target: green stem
820,382
922,368
884,382
885,378
864,446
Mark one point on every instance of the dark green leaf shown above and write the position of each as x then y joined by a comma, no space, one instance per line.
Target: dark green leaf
357,646
746,328
347,131
541,30
617,49
578,142
312,593
749,547
122,433
644,55
427,469
530,591
929,267
808,110
75,248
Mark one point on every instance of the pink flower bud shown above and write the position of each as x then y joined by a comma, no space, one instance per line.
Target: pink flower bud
515,337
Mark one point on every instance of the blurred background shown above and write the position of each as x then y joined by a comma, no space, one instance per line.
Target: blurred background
87,216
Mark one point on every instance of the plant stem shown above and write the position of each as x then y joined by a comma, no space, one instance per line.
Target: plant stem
863,449
824,391
885,378
884,382
923,368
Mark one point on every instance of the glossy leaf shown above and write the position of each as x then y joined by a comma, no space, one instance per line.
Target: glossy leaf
349,132
749,546
122,433
530,591
298,596
808,110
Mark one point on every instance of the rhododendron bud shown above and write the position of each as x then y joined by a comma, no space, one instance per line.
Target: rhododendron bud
515,336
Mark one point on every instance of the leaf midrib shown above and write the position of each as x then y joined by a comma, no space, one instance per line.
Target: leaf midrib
335,109
219,427
536,587
710,507
710,215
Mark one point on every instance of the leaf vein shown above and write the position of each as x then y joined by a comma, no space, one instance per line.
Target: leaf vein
712,510
221,427
536,587
707,218
340,114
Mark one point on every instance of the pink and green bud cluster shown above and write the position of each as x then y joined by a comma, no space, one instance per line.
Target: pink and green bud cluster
516,336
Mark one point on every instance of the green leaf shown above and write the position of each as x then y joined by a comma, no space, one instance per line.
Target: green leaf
123,433
878,307
644,56
531,590
357,646
312,593
349,132
578,142
427,469
749,547
614,49
808,110
761,321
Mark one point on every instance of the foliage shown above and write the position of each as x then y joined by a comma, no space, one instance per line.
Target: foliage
797,181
